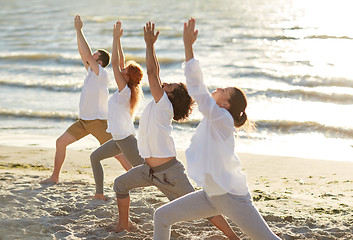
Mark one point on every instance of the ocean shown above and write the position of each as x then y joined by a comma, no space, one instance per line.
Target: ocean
291,57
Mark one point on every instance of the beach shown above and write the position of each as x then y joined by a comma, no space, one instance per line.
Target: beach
288,57
299,198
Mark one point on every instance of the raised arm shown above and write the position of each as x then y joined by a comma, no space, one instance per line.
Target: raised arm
189,37
152,64
193,73
83,47
121,54
194,77
118,56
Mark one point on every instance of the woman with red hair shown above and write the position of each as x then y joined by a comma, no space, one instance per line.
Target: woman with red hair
121,107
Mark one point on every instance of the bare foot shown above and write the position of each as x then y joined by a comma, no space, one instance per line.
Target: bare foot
99,196
121,227
50,180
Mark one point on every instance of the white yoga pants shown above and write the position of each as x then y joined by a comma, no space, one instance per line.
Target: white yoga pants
198,205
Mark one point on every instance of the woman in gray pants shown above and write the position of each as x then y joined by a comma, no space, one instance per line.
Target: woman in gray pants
212,162
121,107
156,145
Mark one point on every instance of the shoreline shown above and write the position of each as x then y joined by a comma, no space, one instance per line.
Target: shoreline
89,143
299,198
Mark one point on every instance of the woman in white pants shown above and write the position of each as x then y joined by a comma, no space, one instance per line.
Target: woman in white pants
212,161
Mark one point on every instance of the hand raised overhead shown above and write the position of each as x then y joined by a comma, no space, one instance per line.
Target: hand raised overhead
149,35
118,31
78,22
189,37
190,34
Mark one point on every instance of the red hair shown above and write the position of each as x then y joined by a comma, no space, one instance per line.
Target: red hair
135,74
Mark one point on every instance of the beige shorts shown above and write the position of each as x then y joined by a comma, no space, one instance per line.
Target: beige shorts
97,128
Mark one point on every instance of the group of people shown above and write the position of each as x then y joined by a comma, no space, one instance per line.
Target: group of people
150,158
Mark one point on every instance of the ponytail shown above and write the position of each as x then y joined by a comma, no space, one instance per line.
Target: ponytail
237,107
135,74
241,121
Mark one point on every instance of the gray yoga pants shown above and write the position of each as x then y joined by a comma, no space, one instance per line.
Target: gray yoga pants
169,178
127,146
197,205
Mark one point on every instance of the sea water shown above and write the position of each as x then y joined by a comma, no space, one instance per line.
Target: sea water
292,58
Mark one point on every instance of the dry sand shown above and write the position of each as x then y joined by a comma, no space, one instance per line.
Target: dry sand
299,198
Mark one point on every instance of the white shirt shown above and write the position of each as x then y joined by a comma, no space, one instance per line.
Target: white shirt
155,128
212,161
94,96
120,123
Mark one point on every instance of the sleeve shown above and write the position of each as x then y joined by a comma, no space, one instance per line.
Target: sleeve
124,95
198,90
102,74
165,110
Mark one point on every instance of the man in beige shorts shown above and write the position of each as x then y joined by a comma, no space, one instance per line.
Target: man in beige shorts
93,108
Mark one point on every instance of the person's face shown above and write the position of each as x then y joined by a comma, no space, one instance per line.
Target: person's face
124,73
169,87
96,55
222,96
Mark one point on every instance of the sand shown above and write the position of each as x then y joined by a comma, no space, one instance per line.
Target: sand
299,198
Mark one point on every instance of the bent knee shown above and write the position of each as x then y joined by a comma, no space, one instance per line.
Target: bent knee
120,189
64,140
162,216
94,157
60,142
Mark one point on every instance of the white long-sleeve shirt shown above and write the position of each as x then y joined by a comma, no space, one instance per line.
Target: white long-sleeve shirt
120,123
212,161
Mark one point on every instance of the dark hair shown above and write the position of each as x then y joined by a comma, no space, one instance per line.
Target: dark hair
181,101
135,74
104,57
237,107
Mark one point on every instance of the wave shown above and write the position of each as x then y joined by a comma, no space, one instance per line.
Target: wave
57,88
161,60
277,126
298,80
327,37
31,57
271,38
104,19
299,94
46,86
70,116
25,128
304,95
291,127
284,37
38,114
318,81
75,59
45,115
